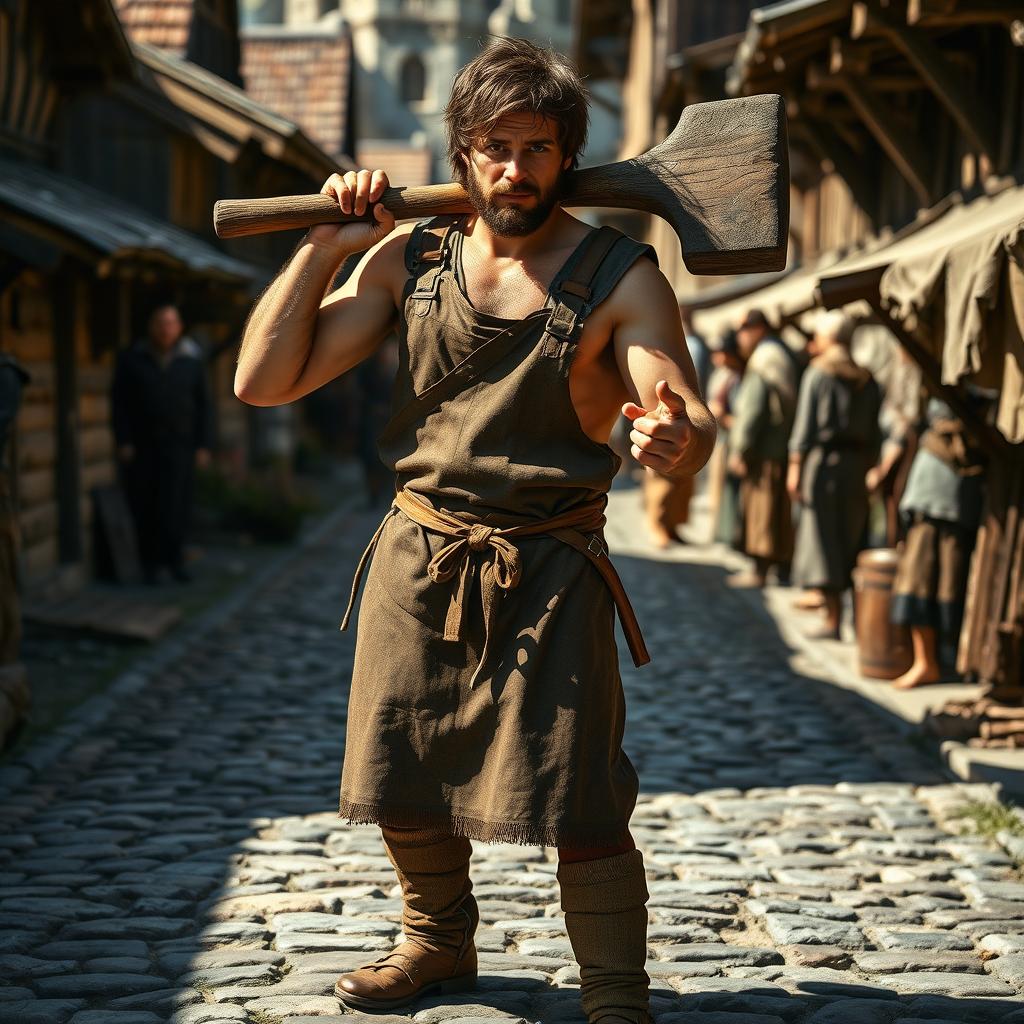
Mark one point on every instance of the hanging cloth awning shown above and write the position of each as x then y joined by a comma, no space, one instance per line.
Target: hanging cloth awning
779,301
959,285
790,297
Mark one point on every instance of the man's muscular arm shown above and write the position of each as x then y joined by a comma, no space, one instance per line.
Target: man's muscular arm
296,339
673,430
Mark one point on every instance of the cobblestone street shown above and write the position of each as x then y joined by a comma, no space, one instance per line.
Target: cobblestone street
182,861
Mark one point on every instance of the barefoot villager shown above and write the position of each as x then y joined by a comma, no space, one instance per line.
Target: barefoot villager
941,506
486,701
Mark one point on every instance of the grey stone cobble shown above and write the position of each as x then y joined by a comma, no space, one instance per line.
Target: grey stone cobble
180,860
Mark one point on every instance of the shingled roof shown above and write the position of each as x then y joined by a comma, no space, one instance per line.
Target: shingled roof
304,73
205,33
162,23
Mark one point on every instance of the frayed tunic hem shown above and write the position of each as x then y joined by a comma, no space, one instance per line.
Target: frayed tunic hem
522,833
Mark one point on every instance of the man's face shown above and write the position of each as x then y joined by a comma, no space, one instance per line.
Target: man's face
165,327
514,174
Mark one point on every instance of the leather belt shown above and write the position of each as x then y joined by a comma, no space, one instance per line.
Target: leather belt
501,567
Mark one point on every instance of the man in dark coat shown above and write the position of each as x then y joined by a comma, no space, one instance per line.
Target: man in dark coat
162,425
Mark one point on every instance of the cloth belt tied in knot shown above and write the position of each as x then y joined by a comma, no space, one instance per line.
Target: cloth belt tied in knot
501,567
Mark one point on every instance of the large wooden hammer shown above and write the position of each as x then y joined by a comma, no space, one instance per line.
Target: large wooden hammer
721,179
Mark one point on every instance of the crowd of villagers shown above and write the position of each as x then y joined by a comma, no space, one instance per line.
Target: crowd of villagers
817,461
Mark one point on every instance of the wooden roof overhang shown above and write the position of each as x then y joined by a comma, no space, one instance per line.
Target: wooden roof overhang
601,34
697,73
221,117
64,215
842,63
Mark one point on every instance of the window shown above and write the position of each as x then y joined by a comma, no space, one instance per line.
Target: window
413,80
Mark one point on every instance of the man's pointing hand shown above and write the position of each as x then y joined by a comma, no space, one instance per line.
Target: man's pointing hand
662,436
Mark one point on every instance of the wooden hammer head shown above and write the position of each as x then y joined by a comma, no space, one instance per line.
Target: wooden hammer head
721,179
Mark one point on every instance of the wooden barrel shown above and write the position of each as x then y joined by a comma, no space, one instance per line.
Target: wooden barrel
884,649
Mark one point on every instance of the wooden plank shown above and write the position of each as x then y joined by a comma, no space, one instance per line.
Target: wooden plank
95,378
94,409
976,604
35,486
117,555
948,83
1003,491
37,450
104,612
34,416
100,473
95,443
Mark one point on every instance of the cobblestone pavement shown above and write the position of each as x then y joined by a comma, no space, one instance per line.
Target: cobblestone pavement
183,862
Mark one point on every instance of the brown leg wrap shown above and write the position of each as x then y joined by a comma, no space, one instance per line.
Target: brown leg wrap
439,918
606,918
440,913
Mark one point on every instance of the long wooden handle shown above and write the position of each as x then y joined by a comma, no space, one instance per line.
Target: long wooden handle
234,218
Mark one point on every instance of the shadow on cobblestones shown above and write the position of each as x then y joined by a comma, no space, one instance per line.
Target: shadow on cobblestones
183,861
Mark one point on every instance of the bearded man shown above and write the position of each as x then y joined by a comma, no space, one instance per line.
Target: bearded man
486,700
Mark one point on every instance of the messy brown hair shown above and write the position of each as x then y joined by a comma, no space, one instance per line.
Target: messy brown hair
513,76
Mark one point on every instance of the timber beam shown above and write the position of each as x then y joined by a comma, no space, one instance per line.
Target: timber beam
897,139
956,14
949,86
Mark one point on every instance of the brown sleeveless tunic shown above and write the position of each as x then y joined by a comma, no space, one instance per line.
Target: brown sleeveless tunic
486,698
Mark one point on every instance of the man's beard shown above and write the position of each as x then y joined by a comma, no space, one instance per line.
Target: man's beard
512,220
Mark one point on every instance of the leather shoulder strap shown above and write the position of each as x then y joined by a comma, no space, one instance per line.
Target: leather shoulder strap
426,242
607,256
426,255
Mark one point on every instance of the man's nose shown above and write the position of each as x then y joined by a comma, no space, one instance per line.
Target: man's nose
514,171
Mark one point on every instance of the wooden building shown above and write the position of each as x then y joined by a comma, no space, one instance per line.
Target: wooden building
111,154
906,122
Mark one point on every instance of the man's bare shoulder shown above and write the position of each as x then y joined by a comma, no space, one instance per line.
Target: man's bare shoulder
381,267
387,258
643,291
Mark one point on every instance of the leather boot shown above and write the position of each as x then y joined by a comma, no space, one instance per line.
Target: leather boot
439,919
606,917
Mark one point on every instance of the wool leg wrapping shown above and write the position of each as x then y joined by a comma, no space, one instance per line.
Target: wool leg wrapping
439,912
606,917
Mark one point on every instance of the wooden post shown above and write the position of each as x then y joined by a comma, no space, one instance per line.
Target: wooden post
68,468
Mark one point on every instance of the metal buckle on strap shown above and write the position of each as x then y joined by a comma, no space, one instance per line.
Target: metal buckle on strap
564,322
597,547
